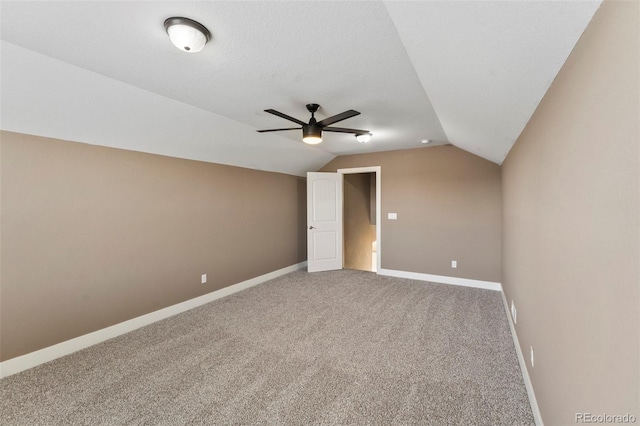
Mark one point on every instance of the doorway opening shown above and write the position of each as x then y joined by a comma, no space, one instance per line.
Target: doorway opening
361,218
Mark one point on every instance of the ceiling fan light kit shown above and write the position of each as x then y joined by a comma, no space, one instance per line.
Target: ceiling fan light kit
187,34
312,131
311,134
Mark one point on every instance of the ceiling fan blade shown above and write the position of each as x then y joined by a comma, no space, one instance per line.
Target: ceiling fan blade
343,130
339,117
277,130
285,116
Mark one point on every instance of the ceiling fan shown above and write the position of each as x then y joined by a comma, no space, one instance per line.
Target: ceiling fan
312,131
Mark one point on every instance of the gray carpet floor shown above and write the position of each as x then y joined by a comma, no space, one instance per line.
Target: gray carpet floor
342,347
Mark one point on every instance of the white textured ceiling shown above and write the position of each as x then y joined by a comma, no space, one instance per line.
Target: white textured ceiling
486,65
466,73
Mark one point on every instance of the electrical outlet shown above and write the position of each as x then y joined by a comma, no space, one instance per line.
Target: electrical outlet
533,361
203,278
454,263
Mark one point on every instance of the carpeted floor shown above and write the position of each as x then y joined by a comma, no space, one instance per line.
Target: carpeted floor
343,347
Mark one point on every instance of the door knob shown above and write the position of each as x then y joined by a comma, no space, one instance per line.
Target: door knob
312,227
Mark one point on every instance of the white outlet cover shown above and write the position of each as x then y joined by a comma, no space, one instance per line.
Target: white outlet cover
392,216
454,263
533,361
203,278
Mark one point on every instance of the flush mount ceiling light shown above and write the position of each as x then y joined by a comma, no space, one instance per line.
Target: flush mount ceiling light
187,34
363,137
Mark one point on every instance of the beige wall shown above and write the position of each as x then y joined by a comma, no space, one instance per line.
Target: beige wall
359,233
571,226
449,208
93,236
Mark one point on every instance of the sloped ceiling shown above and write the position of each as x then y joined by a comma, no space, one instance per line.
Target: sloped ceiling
466,73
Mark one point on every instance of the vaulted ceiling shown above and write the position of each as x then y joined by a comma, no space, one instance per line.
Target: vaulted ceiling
104,72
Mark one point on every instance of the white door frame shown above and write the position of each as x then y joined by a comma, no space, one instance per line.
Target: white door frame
377,171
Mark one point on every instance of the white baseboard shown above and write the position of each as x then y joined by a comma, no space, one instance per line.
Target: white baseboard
487,285
30,360
537,416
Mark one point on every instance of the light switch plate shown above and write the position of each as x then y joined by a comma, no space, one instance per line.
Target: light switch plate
392,216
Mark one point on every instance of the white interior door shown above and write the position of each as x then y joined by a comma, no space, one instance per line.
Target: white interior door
324,221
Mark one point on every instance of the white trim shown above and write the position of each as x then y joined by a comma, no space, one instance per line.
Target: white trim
378,171
465,282
537,416
355,170
33,359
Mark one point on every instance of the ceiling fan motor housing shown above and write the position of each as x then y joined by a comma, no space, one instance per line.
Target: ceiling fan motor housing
311,130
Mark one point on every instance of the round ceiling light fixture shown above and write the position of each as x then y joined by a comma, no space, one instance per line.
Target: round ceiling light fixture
187,34
363,137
